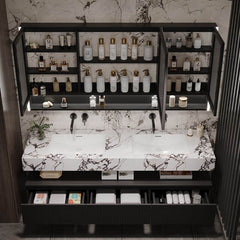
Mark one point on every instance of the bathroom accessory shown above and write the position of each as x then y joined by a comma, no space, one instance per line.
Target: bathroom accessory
189,41
189,85
126,175
134,54
112,49
111,175
169,85
124,81
73,116
130,197
172,100
154,101
34,88
53,66
197,64
49,42
62,41
124,49
186,65
113,81
136,81
43,91
64,66
197,42
101,49
173,66
200,130
41,64
179,42
100,81
190,132
64,103
93,101
146,81
84,118
68,85
101,101
198,86
56,85
183,102
47,104
87,51
168,42
178,85
69,40
152,116
148,51
87,82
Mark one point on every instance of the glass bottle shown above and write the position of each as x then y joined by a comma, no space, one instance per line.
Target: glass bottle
87,82
197,42
56,87
34,88
134,53
62,41
168,42
64,103
87,51
49,42
197,65
136,81
146,81
69,40
179,42
113,81
189,41
124,81
148,51
112,49
186,64
64,66
53,66
124,49
68,85
178,86
173,66
101,49
100,81
41,64
189,85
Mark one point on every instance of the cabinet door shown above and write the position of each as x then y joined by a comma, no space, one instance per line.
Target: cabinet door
163,71
217,57
20,70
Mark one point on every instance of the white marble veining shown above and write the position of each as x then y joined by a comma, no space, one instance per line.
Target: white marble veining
124,150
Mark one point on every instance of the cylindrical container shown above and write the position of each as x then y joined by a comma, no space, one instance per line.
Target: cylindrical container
69,40
197,42
187,198
186,65
146,81
124,81
92,100
179,42
189,85
189,42
87,82
190,132
134,53
136,81
56,85
100,81
43,91
113,49
180,197
87,51
148,51
101,49
182,102
68,85
124,47
169,197
197,199
62,40
169,85
198,86
175,197
178,86
113,81
200,130
168,42
172,100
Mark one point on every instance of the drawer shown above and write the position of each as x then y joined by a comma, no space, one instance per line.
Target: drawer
88,212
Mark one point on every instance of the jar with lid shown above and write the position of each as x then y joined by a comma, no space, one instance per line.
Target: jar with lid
182,102
179,42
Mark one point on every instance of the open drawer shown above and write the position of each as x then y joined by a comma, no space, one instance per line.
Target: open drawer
150,210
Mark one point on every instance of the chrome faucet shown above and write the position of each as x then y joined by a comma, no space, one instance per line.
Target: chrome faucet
84,118
152,116
73,116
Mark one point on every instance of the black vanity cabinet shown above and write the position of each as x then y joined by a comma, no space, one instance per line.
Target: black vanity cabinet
79,100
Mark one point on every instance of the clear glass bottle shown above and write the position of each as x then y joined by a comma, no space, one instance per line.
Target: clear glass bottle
113,81
87,51
92,100
197,65
124,81
124,49
35,88
64,103
41,64
112,49
64,66
101,49
186,64
43,90
173,66
189,41
87,82
189,85
148,51
197,42
168,42
100,81
198,86
136,81
68,85
49,42
53,66
56,87
179,42
146,81
134,52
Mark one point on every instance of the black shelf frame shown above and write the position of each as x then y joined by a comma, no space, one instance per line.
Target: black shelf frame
204,48
179,71
72,49
71,70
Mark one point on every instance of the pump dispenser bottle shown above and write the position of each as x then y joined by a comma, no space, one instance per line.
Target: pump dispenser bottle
113,81
87,82
146,81
100,81
136,81
124,81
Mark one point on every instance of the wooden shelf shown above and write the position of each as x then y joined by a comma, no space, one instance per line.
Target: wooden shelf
55,49
204,70
71,70
184,49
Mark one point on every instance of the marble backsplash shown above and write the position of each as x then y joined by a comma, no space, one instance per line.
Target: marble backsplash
140,11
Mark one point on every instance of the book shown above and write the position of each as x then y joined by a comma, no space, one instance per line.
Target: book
57,198
40,198
74,198
175,175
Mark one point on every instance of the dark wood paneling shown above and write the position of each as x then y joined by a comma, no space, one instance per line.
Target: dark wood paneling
11,145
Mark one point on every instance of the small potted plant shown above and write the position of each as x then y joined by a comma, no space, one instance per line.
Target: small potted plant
39,127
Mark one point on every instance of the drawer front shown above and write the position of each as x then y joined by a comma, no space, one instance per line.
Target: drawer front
119,214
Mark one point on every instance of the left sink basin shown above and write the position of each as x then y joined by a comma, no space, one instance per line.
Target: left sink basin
76,143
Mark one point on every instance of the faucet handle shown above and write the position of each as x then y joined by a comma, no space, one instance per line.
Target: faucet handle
73,116
152,116
84,118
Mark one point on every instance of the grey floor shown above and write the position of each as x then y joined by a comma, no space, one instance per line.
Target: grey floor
19,231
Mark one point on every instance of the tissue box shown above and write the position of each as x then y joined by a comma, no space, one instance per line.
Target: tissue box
40,198
57,198
106,197
125,175
109,175
128,197
74,198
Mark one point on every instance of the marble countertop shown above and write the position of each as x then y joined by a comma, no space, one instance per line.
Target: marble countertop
115,150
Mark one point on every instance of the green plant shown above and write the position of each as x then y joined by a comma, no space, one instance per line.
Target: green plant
39,127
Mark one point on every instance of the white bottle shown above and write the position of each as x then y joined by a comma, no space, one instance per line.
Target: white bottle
100,81
49,42
101,49
113,49
124,81
148,51
197,65
113,81
87,82
124,49
87,51
146,81
169,197
187,198
198,86
197,42
189,85
186,65
135,81
134,52
180,197
175,197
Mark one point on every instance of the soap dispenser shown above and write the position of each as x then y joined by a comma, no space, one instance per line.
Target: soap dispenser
87,82
113,81
124,81
100,81
146,81
136,81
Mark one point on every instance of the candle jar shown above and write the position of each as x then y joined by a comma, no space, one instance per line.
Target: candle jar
172,99
183,102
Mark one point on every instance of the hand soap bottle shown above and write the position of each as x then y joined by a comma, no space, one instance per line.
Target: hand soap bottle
100,81
148,51
124,81
146,81
124,49
189,85
101,49
113,81
136,81
198,86
87,82
87,51
113,49
134,53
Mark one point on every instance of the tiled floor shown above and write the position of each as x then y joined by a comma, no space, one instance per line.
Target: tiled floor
19,232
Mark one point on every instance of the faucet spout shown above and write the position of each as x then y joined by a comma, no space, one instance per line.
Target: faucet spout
152,116
73,116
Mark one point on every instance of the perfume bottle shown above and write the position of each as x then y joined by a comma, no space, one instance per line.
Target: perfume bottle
113,81
124,48
101,49
173,66
34,88
87,81
134,52
148,51
189,41
168,42
189,85
179,42
113,49
100,81
53,66
154,101
87,51
41,64
197,65
186,65
197,42
64,66
68,85
56,87
49,42
43,91
198,86
136,81
69,40
124,81
146,81
64,103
